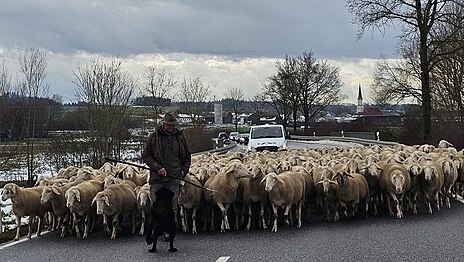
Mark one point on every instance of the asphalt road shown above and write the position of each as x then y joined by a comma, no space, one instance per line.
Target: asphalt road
424,237
437,237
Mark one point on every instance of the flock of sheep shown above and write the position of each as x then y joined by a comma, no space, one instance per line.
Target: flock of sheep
338,182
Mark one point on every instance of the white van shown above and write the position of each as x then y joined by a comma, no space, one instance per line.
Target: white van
267,137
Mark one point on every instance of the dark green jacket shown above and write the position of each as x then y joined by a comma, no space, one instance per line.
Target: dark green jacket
153,156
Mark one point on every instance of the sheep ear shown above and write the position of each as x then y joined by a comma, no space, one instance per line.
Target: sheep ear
13,189
93,200
78,196
55,191
230,169
264,179
107,201
280,180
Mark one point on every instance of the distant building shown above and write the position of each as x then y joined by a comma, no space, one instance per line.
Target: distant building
360,107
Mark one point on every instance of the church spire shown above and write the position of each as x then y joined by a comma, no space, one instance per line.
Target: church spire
360,107
360,96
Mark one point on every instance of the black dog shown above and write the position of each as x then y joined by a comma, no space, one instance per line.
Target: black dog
162,220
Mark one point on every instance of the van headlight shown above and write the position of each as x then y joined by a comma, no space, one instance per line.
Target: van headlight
283,147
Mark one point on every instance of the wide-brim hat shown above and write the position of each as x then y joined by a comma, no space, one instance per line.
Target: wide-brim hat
170,119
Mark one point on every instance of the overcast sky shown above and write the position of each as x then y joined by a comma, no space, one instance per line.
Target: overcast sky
232,43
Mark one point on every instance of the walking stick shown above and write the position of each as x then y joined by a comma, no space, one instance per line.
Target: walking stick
145,167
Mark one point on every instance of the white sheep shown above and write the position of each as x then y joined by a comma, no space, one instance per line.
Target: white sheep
113,201
26,202
79,201
190,198
143,204
284,191
225,185
56,197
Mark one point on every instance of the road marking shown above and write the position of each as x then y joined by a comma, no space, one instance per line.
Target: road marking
222,259
22,240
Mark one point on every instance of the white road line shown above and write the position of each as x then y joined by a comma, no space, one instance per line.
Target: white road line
222,259
22,240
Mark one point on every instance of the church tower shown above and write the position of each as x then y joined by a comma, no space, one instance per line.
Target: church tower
360,107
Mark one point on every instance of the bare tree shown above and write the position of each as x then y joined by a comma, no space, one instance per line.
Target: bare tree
234,97
276,96
417,19
158,86
33,66
105,89
258,104
193,95
318,84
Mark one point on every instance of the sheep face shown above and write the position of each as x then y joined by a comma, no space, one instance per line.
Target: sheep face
326,176
9,191
398,180
429,172
415,169
373,170
271,180
447,167
143,198
102,202
72,195
238,170
48,193
129,172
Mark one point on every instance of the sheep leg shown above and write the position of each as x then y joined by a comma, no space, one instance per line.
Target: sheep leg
183,215
437,198
414,203
237,216
263,220
39,228
65,221
105,224
29,227
142,226
249,218
224,217
86,226
286,214
194,220
133,216
399,212
274,227
115,225
77,220
18,227
389,205
299,213
212,219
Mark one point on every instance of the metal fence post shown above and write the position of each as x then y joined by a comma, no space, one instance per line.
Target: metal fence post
1,219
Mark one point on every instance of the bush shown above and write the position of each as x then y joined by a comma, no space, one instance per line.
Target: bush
198,139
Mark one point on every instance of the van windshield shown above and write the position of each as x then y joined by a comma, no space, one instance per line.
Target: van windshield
266,132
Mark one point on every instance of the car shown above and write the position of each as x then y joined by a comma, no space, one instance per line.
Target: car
244,138
223,135
234,136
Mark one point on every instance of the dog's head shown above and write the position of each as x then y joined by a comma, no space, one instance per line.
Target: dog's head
164,194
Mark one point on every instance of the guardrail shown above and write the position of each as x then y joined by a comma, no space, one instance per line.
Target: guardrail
366,142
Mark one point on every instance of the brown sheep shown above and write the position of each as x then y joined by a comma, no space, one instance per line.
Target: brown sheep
431,182
395,182
26,202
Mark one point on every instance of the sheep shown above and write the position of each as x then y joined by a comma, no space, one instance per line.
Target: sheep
130,173
371,172
450,175
394,181
110,180
26,202
284,190
414,172
225,185
190,198
326,192
444,144
115,200
352,188
253,192
68,172
56,197
431,182
79,201
143,204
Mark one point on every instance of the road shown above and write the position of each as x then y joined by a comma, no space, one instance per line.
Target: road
424,237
